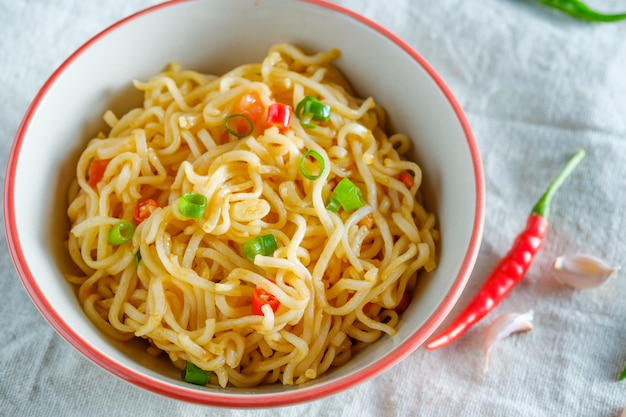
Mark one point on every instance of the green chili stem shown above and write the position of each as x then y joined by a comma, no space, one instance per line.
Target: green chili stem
542,208
580,10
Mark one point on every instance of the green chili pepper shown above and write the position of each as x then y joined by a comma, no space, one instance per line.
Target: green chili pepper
580,10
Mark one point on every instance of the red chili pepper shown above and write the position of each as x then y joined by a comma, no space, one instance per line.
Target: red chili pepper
404,303
279,115
406,179
97,167
260,297
512,268
144,209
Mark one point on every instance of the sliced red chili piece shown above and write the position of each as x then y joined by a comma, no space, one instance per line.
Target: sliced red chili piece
144,209
279,115
97,167
406,179
260,297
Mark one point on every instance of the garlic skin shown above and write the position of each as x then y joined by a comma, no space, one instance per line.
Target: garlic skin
581,270
503,326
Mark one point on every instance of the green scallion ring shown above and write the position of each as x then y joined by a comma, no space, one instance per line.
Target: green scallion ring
300,106
333,204
320,112
195,375
353,200
192,205
349,195
120,233
310,108
346,194
234,132
305,121
319,158
264,245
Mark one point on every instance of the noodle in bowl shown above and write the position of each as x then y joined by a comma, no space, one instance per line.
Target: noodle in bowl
352,176
339,275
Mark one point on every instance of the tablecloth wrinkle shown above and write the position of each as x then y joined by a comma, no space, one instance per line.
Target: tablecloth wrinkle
536,86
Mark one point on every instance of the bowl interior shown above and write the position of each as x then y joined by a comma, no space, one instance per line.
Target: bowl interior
215,36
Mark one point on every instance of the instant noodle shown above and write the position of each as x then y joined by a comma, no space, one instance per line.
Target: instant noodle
268,222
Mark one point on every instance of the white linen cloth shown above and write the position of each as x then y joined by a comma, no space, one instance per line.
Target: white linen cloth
536,86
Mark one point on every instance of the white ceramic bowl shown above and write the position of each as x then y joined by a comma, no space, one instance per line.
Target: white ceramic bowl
214,36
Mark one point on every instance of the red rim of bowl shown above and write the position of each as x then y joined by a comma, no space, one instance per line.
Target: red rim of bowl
258,399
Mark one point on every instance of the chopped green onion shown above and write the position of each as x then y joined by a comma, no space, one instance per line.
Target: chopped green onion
261,245
346,195
309,109
194,375
192,205
237,118
333,204
622,376
137,258
318,158
120,233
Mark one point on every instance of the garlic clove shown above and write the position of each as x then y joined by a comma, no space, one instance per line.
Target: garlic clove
503,326
581,270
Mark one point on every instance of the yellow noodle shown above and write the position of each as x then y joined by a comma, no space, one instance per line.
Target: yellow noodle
184,285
